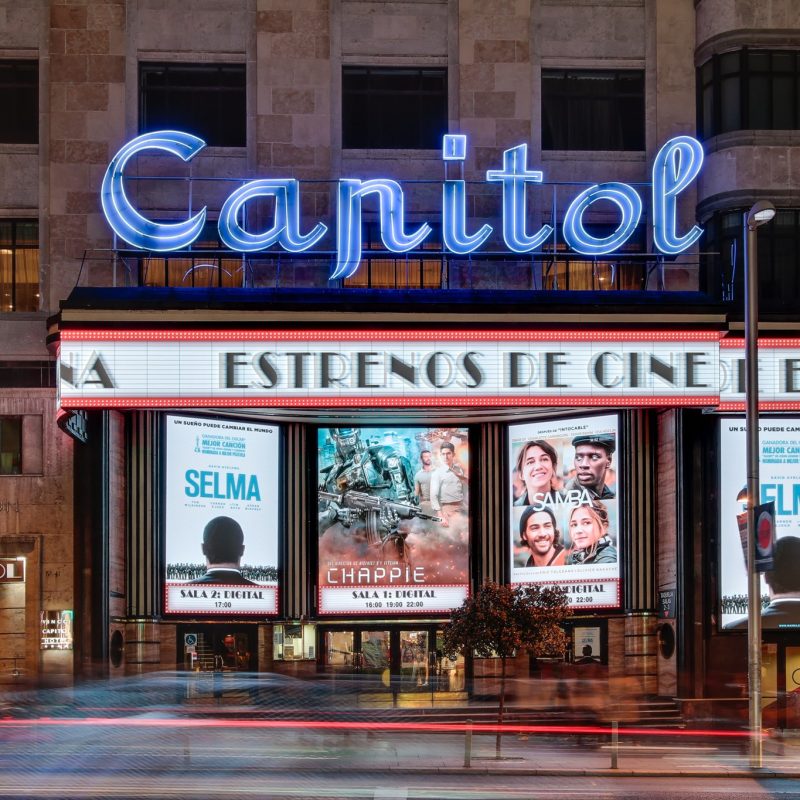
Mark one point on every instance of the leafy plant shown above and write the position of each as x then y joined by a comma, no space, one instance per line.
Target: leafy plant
500,621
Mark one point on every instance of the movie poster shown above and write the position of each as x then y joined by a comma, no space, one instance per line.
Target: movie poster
779,471
394,524
565,507
221,516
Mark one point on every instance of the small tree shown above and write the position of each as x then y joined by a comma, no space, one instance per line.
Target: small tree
501,621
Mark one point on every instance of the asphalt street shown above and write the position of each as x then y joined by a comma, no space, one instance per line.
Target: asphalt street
152,757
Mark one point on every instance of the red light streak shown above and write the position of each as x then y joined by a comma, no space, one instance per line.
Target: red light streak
343,725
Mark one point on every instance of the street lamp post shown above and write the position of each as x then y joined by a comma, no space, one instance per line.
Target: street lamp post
761,213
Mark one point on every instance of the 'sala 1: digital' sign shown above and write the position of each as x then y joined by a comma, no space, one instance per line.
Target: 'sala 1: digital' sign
675,166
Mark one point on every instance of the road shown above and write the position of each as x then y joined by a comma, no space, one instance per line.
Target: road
154,756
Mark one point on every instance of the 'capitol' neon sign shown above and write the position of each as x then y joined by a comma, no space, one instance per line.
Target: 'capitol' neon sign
675,166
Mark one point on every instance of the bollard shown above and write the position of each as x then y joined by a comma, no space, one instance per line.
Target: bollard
614,744
468,744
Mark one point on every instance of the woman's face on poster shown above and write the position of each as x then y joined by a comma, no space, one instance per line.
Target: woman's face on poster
538,470
584,528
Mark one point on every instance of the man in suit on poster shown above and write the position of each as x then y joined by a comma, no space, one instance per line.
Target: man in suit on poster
223,547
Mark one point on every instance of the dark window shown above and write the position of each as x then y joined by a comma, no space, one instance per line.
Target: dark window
19,265
592,110
394,107
749,90
19,97
778,258
207,100
10,445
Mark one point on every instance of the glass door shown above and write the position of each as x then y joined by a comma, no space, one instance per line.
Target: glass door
375,652
338,652
415,671
792,676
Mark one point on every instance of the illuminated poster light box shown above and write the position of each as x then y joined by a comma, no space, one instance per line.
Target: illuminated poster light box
565,525
56,629
393,520
221,516
675,167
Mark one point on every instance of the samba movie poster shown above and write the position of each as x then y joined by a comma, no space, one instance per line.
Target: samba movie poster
565,502
221,516
779,482
394,520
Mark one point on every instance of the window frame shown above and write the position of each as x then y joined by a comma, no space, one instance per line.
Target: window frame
711,76
215,136
574,95
366,102
12,121
725,227
14,246
5,418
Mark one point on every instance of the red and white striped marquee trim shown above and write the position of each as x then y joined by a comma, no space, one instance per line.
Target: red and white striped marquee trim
328,335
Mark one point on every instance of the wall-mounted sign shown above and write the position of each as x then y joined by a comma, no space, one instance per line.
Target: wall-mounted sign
675,166
394,520
564,507
12,570
302,368
221,519
587,645
388,368
778,374
666,604
779,467
56,630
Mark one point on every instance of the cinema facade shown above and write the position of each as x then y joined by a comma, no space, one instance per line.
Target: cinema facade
305,414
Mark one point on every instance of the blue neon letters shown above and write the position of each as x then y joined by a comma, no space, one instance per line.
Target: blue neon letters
675,166
125,220
285,229
514,175
629,204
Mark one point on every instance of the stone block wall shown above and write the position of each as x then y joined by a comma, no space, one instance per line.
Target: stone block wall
36,522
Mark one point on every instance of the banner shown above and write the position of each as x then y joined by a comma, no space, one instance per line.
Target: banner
324,368
779,468
221,519
394,520
565,501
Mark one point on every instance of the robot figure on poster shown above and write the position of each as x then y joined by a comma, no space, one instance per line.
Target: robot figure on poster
369,488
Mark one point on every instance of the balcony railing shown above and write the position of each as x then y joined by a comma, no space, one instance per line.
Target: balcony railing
418,270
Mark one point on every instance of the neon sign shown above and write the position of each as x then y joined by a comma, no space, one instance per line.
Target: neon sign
675,166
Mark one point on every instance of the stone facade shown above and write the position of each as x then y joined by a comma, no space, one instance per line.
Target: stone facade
89,53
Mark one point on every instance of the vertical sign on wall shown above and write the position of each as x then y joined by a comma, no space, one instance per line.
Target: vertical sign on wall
394,520
221,539
565,501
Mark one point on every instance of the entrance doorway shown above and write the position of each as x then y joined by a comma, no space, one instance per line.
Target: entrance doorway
217,647
780,679
407,658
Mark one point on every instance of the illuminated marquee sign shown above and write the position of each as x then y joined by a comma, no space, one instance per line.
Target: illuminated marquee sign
222,368
12,570
675,166
386,368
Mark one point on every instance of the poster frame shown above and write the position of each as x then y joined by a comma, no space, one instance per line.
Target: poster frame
312,462
716,520
160,555
623,535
